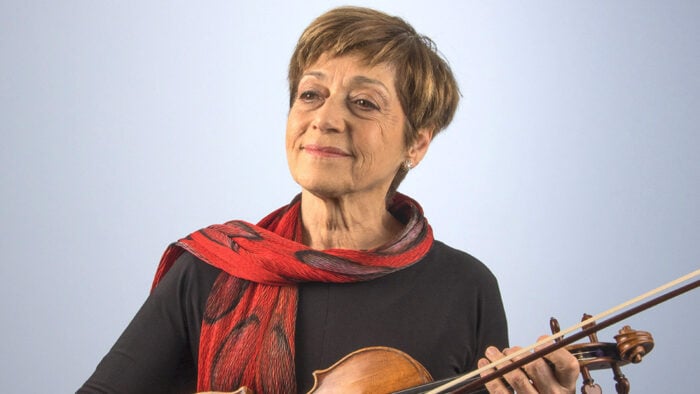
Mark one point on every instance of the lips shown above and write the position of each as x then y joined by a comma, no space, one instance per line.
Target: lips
325,151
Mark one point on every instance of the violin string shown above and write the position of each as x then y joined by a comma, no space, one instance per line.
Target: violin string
548,340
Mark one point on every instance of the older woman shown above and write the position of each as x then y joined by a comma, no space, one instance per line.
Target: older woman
349,263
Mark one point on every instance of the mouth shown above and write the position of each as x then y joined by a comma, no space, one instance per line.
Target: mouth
324,151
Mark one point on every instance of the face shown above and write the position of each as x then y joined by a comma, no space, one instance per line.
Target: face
345,130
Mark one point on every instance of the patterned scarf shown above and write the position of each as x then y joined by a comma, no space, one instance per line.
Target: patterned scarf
247,336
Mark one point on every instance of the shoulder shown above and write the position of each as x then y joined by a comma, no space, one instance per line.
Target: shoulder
470,281
188,272
459,265
190,265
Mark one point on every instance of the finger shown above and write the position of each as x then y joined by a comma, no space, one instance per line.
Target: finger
538,371
517,378
495,386
565,367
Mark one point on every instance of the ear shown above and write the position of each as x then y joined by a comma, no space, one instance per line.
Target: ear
419,148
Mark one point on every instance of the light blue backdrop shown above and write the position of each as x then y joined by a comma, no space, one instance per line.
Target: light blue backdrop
571,168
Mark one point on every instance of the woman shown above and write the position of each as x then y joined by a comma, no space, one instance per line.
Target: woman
349,263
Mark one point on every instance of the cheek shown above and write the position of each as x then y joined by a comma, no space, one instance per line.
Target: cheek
292,131
385,144
287,137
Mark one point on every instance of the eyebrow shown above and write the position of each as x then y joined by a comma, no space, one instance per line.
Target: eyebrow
360,79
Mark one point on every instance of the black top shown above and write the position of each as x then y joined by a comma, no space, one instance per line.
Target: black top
443,311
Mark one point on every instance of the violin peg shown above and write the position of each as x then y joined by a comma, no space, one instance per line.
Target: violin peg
622,384
593,337
592,388
554,326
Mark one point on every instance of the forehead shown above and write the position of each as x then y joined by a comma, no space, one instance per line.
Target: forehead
352,68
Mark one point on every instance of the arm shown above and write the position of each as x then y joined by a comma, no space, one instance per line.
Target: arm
492,326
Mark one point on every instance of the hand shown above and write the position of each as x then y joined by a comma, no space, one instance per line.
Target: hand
556,377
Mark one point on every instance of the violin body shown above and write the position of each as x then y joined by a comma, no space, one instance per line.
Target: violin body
374,370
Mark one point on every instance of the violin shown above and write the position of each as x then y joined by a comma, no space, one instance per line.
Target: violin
391,371
382,369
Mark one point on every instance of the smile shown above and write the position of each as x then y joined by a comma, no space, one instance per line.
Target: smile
325,151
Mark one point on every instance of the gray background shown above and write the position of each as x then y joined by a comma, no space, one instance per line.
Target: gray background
571,168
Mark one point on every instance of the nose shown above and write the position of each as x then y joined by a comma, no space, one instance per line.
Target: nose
331,115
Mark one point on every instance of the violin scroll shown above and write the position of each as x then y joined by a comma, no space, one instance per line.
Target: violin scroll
633,345
630,347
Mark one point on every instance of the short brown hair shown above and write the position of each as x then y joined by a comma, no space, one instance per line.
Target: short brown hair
427,90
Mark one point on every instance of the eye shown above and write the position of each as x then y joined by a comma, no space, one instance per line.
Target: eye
366,105
309,96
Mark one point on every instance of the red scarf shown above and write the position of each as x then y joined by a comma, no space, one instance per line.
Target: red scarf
247,336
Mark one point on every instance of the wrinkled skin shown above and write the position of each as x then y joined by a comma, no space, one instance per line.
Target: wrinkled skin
556,375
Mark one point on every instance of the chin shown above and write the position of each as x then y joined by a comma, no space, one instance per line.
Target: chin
319,181
323,189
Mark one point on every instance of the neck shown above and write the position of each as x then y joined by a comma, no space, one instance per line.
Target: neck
346,223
